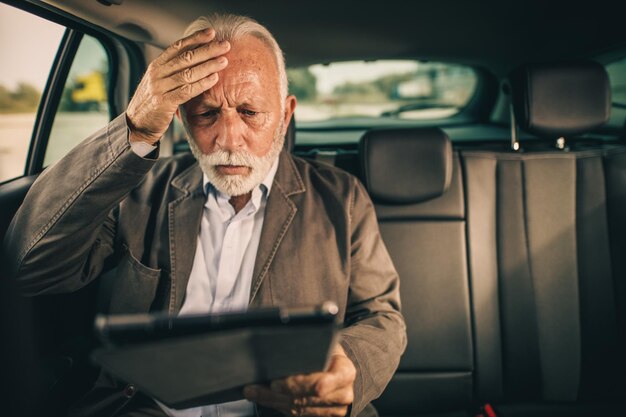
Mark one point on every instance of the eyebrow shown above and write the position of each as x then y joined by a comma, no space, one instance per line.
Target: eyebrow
248,104
206,105
243,98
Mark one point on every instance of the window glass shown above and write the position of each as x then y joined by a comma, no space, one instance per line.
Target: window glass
178,135
28,45
84,104
617,75
391,89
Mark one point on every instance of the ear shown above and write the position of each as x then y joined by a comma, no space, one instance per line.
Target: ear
178,115
290,107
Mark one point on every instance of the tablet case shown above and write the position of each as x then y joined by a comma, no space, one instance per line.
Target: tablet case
213,366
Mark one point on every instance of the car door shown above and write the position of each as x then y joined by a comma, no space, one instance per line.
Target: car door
61,80
57,86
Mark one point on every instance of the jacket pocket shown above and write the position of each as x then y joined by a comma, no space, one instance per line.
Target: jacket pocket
134,286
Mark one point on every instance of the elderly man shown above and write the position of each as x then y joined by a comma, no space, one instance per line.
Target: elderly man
241,224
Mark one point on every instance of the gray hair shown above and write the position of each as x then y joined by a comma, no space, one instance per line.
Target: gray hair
229,27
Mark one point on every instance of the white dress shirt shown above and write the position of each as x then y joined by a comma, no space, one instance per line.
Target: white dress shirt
221,275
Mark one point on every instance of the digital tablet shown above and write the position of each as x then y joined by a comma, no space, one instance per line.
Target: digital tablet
199,360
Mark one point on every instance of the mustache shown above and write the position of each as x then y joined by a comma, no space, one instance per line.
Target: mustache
239,158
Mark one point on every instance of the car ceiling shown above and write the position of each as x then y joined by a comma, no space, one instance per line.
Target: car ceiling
497,35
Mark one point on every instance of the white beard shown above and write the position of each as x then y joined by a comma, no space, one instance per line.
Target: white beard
240,184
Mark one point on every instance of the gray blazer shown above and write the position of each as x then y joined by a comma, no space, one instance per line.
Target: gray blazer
104,208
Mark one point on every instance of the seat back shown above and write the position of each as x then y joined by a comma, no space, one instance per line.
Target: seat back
415,182
513,274
546,240
545,236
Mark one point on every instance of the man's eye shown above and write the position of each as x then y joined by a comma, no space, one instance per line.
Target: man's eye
210,113
247,112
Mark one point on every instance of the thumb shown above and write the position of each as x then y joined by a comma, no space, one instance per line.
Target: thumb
341,372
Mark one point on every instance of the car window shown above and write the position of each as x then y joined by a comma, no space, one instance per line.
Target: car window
84,102
28,45
617,75
617,78
401,89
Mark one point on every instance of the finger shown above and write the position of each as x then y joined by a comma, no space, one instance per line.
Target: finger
193,57
319,412
340,397
193,74
192,41
186,92
297,385
268,398
265,394
341,373
297,406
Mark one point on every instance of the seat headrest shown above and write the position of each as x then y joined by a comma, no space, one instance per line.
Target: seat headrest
559,99
290,135
406,166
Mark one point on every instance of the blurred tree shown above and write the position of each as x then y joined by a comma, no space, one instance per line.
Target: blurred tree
27,95
302,84
6,101
363,88
24,99
67,104
381,89
389,83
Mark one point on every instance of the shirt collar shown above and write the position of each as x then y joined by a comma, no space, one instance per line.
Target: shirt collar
265,186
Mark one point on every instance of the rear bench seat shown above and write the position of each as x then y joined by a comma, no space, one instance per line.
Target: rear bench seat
512,264
547,240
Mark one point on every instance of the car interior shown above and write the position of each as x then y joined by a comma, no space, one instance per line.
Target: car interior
503,210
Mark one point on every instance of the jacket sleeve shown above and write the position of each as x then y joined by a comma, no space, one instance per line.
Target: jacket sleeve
374,336
64,231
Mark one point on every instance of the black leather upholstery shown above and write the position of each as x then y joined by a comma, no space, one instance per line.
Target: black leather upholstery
405,166
547,286
513,280
560,99
422,221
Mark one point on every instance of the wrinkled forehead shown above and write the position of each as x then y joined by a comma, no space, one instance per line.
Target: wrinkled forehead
251,58
251,77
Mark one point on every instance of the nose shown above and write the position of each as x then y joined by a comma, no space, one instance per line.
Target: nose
229,132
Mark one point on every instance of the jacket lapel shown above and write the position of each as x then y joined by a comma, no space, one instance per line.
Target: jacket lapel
184,216
279,214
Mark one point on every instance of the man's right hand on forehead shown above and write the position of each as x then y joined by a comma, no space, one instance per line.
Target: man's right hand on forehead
184,70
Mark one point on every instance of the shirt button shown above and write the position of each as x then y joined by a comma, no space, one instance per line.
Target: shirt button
129,390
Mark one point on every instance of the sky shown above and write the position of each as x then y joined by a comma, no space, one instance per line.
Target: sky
28,45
